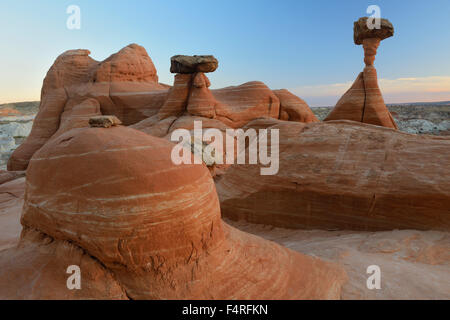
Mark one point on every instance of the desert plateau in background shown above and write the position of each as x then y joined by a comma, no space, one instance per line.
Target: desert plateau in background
16,119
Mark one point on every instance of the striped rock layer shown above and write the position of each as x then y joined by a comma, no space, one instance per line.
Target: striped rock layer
233,106
112,200
363,102
343,175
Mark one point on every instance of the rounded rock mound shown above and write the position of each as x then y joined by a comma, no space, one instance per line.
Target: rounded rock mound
157,226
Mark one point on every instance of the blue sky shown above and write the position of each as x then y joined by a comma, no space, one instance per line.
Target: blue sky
305,46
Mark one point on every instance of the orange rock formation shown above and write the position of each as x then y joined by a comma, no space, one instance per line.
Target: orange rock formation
126,85
363,102
344,175
111,201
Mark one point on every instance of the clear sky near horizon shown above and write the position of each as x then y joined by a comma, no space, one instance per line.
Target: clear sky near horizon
304,46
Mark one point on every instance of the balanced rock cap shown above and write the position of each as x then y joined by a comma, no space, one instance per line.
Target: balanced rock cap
361,30
193,64
104,121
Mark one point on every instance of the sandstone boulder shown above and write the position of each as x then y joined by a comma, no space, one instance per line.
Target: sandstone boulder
144,227
193,64
347,176
362,31
125,85
104,121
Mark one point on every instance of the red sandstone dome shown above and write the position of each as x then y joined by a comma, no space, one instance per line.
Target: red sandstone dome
155,227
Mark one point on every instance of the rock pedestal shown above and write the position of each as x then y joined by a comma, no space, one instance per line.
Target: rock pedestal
125,85
363,102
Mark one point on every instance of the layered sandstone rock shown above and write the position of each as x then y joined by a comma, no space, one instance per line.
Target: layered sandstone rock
293,108
190,100
126,85
343,175
77,87
414,264
201,100
234,106
6,176
11,203
143,228
363,102
37,270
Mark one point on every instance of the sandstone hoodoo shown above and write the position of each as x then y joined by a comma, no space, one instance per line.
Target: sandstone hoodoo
363,102
112,200
232,107
126,86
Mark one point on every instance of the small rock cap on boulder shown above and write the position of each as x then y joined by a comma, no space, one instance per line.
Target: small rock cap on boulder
361,31
193,64
104,121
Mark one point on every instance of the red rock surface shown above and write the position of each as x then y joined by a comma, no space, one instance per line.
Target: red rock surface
11,202
201,100
153,228
363,102
293,108
241,104
121,85
126,85
343,175
6,176
414,264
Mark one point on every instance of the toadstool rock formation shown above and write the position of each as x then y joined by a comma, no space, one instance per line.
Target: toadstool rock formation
111,201
126,85
363,102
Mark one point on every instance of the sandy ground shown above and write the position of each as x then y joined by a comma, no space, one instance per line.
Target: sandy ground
413,264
